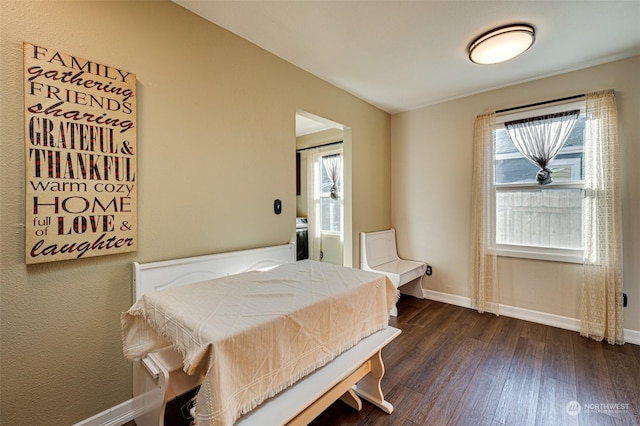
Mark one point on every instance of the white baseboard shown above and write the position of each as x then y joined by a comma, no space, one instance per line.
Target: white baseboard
114,416
573,324
451,299
632,336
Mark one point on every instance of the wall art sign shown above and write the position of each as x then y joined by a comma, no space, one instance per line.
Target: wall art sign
80,153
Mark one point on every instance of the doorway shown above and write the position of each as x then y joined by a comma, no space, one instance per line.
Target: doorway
323,188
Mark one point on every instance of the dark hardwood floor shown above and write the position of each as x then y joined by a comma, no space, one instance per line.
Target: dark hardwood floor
453,366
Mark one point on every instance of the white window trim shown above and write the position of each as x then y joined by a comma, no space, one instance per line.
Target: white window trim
540,253
576,184
331,233
535,252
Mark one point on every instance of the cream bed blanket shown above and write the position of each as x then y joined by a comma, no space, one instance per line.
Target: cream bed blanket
256,333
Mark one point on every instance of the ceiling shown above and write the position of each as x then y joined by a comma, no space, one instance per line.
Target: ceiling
402,55
306,125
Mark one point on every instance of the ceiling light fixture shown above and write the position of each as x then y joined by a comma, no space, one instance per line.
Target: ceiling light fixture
502,44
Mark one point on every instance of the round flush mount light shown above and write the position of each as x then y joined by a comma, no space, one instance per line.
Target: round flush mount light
502,44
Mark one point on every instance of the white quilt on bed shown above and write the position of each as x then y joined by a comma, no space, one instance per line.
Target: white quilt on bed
256,333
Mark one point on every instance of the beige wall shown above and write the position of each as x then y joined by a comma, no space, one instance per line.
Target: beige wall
431,191
216,138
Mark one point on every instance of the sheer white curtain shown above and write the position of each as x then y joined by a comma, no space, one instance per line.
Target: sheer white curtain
484,284
601,310
333,165
539,139
313,204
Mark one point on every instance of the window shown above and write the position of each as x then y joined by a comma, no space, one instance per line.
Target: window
539,221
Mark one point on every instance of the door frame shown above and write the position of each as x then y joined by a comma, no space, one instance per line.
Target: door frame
312,140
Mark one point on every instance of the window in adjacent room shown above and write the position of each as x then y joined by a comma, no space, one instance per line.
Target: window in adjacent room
534,220
331,204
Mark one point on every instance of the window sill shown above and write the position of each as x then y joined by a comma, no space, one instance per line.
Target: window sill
539,253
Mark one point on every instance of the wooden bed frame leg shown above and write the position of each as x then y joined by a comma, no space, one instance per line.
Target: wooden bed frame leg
369,387
352,400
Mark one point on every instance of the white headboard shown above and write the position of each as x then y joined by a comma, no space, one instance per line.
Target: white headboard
156,276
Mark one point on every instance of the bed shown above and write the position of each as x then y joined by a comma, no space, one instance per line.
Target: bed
269,340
